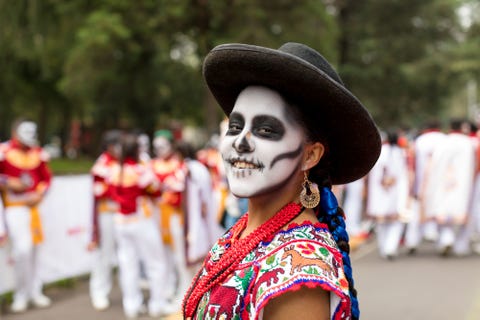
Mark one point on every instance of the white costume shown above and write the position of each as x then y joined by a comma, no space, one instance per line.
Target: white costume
449,188
475,201
105,255
353,206
424,147
387,197
203,229
3,228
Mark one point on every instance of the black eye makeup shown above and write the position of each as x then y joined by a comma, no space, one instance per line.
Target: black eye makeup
236,122
268,127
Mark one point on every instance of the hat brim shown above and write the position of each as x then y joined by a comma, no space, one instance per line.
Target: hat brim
352,136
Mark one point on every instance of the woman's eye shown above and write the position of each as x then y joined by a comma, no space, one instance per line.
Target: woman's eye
265,131
234,128
268,127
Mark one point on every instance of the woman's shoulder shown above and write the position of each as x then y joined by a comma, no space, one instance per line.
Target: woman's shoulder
303,251
299,234
301,255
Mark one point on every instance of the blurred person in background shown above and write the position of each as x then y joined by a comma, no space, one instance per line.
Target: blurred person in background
25,179
353,205
104,207
146,202
144,147
418,227
448,189
201,226
137,235
475,201
199,206
388,190
171,172
212,159
235,208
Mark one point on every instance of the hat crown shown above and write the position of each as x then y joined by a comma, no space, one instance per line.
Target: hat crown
306,78
311,56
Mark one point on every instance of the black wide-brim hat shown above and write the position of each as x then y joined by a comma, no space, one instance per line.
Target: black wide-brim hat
310,82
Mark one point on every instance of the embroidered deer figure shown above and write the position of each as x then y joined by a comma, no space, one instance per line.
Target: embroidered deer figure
299,261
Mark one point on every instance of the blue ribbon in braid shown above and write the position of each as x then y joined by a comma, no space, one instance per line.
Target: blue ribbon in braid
336,223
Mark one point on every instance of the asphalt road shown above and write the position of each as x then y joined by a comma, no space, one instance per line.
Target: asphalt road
420,287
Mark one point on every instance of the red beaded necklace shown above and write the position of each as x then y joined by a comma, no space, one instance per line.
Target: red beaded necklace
235,253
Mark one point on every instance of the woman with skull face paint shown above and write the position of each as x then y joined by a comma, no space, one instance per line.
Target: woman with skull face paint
294,130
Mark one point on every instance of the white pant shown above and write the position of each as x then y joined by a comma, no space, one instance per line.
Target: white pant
353,206
183,273
388,237
27,283
138,239
417,231
104,259
456,237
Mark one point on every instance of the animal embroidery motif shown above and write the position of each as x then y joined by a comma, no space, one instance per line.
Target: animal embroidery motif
220,298
299,261
270,277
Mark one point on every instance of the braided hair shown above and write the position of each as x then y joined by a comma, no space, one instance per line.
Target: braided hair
332,215
327,211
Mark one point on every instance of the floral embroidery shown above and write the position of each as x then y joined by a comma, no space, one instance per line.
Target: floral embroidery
306,248
301,255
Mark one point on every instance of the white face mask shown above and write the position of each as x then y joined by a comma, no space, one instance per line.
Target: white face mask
143,143
27,133
263,146
162,147
116,150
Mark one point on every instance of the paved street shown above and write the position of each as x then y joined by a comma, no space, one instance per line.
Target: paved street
421,287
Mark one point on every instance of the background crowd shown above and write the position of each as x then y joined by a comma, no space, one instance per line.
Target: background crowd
160,204
423,187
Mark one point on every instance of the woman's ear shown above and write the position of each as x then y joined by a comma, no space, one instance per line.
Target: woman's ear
313,154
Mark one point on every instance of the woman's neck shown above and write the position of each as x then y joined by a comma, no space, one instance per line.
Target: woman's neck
263,207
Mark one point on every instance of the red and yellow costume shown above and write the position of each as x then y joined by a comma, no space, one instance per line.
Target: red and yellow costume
212,159
129,183
137,237
103,235
101,171
29,164
172,174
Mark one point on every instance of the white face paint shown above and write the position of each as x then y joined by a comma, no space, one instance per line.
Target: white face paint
162,147
116,150
143,143
263,146
27,133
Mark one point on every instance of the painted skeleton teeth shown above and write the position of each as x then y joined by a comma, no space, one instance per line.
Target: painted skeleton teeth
244,165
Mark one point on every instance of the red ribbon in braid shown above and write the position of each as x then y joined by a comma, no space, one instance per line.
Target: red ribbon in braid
235,254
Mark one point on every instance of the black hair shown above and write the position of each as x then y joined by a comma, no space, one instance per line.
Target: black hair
333,217
185,149
456,124
392,137
111,137
129,147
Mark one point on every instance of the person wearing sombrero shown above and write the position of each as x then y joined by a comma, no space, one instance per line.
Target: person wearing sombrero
294,130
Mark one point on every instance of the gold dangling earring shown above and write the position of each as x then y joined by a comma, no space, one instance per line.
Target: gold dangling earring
310,196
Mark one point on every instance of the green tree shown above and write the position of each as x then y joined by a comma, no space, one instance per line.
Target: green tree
137,64
33,37
395,55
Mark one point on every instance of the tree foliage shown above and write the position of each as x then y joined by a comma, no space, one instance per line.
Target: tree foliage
137,64
396,56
